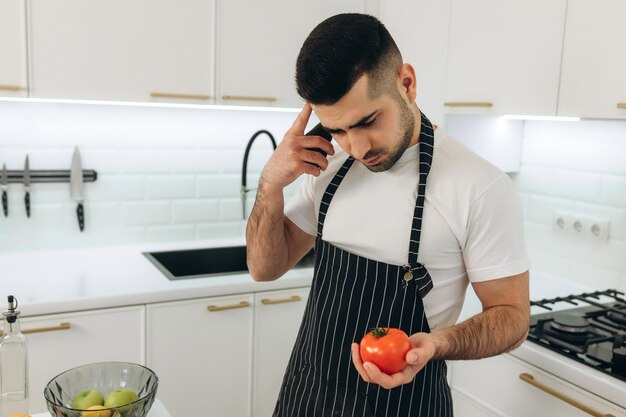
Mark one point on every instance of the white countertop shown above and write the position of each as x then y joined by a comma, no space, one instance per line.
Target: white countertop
47,282
85,279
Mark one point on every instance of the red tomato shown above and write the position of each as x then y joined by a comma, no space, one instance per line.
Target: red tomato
386,348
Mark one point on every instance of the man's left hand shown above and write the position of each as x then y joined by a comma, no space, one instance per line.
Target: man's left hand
423,350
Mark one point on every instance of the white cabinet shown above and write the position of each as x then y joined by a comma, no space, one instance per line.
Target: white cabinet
258,43
507,387
594,60
202,352
504,57
60,342
277,319
13,74
122,50
420,29
224,356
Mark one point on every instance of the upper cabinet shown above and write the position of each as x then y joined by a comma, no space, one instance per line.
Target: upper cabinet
594,60
258,43
13,74
504,56
142,50
420,29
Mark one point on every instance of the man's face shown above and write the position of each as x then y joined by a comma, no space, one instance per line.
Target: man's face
374,131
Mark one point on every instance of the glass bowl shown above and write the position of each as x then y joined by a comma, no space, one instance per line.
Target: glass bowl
104,377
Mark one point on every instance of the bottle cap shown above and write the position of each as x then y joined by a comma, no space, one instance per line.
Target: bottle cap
12,313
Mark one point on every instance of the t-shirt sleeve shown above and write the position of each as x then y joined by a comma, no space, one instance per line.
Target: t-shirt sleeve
494,242
300,208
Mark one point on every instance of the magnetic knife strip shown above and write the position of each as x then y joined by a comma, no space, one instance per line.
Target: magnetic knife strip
42,176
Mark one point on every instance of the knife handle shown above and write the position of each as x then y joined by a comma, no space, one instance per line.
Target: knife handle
81,216
27,202
5,203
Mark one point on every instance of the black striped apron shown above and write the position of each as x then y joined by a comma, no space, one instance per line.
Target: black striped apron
349,295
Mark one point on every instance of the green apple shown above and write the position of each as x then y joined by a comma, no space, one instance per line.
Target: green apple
97,411
120,397
87,398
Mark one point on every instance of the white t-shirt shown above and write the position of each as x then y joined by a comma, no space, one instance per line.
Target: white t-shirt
471,226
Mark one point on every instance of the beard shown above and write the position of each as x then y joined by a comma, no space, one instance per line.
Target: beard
406,129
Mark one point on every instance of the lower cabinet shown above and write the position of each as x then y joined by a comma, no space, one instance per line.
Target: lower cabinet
60,342
223,356
277,318
202,352
504,386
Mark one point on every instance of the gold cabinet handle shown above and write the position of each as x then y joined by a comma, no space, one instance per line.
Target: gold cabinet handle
10,87
242,304
468,104
292,299
528,378
253,98
62,326
621,106
177,95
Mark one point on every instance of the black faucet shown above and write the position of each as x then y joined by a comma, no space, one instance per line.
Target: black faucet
244,171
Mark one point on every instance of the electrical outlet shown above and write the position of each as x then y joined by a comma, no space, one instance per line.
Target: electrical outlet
561,222
597,228
580,225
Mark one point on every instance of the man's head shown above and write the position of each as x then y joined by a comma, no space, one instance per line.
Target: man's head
351,71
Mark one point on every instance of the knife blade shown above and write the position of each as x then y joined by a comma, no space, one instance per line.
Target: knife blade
26,179
76,187
4,185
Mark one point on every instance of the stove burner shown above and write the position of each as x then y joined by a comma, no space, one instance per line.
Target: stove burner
571,323
593,332
617,317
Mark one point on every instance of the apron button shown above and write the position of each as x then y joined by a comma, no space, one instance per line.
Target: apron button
408,275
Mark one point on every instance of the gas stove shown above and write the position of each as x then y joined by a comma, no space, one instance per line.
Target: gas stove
591,332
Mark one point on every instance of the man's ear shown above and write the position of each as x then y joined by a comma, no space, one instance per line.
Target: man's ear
407,83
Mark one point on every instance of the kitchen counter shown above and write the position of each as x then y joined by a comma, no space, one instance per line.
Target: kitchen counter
47,282
86,279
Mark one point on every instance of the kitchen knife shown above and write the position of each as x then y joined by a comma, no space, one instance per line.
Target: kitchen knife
76,187
4,185
26,179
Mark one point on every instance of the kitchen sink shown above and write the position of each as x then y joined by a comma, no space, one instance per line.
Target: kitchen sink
200,263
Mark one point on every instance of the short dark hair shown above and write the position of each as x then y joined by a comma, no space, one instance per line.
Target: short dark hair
339,51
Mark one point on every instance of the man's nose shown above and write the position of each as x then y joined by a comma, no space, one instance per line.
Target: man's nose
360,145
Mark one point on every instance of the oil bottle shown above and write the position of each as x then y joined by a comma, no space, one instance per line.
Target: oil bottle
13,364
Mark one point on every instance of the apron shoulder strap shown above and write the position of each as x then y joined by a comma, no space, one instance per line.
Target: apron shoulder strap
426,148
330,192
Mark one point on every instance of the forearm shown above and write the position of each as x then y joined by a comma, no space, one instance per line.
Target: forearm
496,330
267,250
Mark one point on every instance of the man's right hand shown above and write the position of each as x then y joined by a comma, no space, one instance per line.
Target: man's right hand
293,157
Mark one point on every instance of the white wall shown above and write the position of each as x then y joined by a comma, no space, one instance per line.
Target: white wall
578,168
163,173
170,174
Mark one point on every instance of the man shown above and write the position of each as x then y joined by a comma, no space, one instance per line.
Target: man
414,217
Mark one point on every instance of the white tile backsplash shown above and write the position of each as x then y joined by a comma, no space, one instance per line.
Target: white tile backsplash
195,211
175,174
614,189
146,213
170,186
225,185
579,168
163,173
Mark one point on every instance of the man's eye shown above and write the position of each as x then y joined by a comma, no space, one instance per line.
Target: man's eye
371,122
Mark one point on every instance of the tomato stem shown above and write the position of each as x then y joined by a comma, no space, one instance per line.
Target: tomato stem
379,332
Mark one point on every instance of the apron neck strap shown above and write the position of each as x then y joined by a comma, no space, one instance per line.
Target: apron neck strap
426,147
330,192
